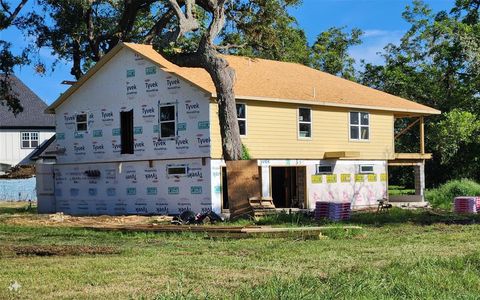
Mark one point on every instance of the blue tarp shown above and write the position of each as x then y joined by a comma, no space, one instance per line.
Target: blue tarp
18,189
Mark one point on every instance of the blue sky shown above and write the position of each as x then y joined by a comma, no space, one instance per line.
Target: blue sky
380,20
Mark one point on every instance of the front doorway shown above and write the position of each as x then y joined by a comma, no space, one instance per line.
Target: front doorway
289,187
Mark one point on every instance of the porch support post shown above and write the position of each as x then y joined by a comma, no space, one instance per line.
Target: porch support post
422,135
420,180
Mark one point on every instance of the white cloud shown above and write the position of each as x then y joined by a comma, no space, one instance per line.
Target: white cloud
374,40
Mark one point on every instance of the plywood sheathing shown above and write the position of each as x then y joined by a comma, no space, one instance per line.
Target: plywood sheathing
268,80
243,183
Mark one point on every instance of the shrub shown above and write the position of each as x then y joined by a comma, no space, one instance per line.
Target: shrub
442,197
245,153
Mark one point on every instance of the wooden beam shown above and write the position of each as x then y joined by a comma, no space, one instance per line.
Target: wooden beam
341,154
422,135
407,128
413,155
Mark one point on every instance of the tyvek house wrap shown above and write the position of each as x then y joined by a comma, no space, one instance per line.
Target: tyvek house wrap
129,183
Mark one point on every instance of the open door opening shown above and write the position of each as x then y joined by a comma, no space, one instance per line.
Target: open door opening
288,187
224,188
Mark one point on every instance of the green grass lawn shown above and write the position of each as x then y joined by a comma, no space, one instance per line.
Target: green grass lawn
400,254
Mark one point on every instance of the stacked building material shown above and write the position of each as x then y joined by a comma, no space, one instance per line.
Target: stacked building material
321,210
339,211
334,211
467,205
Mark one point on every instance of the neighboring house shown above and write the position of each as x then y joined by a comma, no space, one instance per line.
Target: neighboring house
138,134
20,135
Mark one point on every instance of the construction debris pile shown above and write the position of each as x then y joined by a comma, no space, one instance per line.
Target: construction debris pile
19,172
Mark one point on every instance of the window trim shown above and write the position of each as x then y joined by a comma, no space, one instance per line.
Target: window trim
175,121
29,139
303,122
359,126
243,119
86,113
360,171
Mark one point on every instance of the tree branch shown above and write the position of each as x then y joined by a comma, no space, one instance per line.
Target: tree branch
90,32
229,46
14,14
159,26
186,21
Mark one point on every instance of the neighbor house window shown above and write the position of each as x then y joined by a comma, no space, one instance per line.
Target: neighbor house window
81,122
359,126
304,122
242,118
29,139
126,132
168,121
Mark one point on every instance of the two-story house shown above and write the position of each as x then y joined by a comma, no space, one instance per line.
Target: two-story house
138,134
23,133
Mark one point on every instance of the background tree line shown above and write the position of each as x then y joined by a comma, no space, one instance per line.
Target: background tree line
437,62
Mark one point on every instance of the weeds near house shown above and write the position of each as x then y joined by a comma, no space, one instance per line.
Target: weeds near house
442,197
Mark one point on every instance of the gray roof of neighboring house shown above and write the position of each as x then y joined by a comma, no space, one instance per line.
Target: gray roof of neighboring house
33,114
45,150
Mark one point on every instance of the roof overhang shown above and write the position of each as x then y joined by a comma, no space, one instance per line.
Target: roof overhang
402,112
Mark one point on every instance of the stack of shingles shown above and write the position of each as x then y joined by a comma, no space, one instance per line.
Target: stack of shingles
467,205
321,210
334,211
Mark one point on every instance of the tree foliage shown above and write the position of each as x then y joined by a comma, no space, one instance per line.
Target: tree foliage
265,29
8,60
330,51
436,64
190,33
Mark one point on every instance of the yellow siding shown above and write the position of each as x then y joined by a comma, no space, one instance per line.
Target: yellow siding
272,132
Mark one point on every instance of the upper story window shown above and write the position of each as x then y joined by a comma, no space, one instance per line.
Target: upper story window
81,122
242,118
29,139
359,126
126,132
168,121
304,123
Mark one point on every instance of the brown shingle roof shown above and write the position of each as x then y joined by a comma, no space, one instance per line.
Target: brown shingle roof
268,80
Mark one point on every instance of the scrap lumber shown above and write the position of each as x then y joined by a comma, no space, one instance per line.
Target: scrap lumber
225,231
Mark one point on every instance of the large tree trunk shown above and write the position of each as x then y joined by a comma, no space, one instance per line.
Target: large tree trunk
223,77
207,57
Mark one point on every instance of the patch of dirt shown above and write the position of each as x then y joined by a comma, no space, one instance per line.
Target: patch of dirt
64,250
59,219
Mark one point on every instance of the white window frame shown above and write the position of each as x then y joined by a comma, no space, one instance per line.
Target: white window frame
185,167
175,121
361,171
318,172
242,119
29,133
86,121
304,122
359,126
